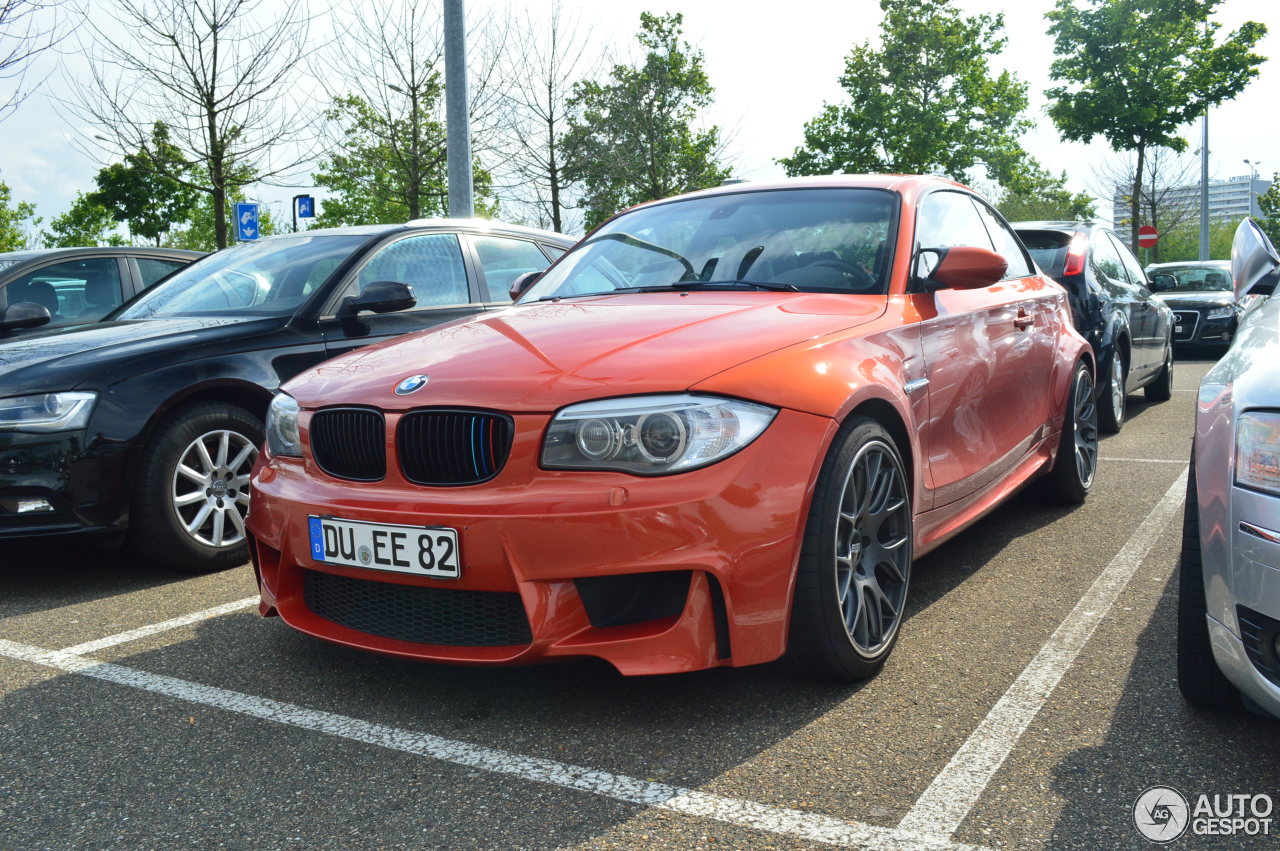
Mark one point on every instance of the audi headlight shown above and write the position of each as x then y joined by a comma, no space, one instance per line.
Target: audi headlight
282,426
1226,311
1258,451
46,412
652,435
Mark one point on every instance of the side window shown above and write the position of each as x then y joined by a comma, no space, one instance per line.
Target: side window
553,251
1105,258
503,260
1007,245
1131,264
431,263
74,291
946,219
153,269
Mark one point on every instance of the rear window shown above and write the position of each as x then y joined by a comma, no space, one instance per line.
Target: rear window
1048,248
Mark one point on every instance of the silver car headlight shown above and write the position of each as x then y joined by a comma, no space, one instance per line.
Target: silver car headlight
652,435
282,426
1258,451
1223,312
47,412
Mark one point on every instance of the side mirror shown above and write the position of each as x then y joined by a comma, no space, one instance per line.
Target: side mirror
1160,283
961,267
379,297
1255,266
522,283
25,314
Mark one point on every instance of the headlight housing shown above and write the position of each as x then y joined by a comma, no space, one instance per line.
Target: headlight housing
1258,451
47,412
282,426
652,435
1226,311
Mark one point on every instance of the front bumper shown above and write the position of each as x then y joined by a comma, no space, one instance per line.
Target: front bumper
82,486
702,562
1196,330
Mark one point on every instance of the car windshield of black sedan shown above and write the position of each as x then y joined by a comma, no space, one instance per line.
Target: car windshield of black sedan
1190,279
815,240
267,278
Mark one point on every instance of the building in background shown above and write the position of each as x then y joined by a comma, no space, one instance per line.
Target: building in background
1229,201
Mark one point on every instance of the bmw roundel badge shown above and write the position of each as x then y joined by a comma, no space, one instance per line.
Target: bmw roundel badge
411,384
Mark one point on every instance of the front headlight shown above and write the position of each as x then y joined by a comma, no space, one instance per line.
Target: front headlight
652,435
1258,451
1226,311
46,412
282,426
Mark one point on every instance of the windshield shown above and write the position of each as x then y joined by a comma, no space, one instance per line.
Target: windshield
267,278
1172,279
814,240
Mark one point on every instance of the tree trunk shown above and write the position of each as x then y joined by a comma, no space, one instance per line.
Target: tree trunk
1135,200
220,214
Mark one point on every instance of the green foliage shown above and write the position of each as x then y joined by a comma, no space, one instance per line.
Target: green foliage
1183,242
201,232
632,139
1269,203
145,191
86,224
14,220
1038,195
1136,71
923,101
391,169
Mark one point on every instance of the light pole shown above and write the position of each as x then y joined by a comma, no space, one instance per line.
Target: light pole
457,129
1253,175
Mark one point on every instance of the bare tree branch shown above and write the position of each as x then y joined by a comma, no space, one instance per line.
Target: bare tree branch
27,29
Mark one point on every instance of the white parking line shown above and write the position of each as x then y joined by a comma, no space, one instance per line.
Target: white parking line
778,820
953,793
1146,460
163,626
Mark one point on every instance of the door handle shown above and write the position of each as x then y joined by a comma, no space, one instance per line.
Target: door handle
1024,321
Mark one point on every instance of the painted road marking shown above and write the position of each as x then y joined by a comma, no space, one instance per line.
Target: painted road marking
778,820
163,626
953,793
1144,460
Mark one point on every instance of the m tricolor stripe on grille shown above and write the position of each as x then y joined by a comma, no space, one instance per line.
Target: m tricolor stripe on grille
442,447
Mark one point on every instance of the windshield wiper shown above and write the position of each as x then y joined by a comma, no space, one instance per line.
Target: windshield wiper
637,242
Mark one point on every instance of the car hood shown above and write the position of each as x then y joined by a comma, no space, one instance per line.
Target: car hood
99,354
539,357
1209,298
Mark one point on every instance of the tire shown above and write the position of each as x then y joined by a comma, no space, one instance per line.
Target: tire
1111,395
855,561
1072,474
1161,389
1200,679
185,497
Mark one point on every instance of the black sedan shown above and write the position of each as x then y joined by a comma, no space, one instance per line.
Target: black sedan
148,423
70,286
1131,332
1204,307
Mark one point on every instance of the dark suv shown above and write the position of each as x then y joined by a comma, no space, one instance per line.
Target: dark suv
1131,332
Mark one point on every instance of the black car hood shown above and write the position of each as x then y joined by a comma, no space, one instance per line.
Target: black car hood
94,356
1192,301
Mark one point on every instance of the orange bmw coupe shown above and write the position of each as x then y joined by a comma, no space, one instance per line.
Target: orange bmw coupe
717,430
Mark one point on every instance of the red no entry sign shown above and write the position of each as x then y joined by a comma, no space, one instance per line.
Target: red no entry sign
1147,236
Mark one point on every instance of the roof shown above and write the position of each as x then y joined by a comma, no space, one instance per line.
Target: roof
1216,264
114,250
1052,225
473,224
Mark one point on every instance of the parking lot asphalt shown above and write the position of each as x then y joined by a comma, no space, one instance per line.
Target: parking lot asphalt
1029,702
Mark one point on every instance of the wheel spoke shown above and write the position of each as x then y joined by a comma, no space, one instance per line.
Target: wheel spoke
201,516
224,447
189,499
187,472
241,457
237,521
219,520
209,466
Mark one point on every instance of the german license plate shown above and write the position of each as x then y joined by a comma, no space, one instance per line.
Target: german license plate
1177,329
420,550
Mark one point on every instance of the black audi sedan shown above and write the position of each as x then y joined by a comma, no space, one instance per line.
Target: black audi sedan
50,287
1204,306
144,426
1131,332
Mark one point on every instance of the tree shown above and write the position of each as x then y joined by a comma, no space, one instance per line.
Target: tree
1136,71
141,192
1035,194
1182,242
551,60
86,224
1269,204
633,138
27,29
924,101
14,220
218,74
1169,197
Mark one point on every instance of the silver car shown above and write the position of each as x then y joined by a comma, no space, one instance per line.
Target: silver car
1229,579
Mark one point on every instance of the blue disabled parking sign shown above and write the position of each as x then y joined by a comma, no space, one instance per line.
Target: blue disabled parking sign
306,207
247,222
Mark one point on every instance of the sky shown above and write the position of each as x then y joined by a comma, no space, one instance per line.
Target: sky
773,67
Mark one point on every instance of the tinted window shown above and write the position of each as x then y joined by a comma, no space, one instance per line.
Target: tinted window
1131,265
153,269
1191,278
503,260
1048,248
74,291
1007,245
431,263
1105,259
